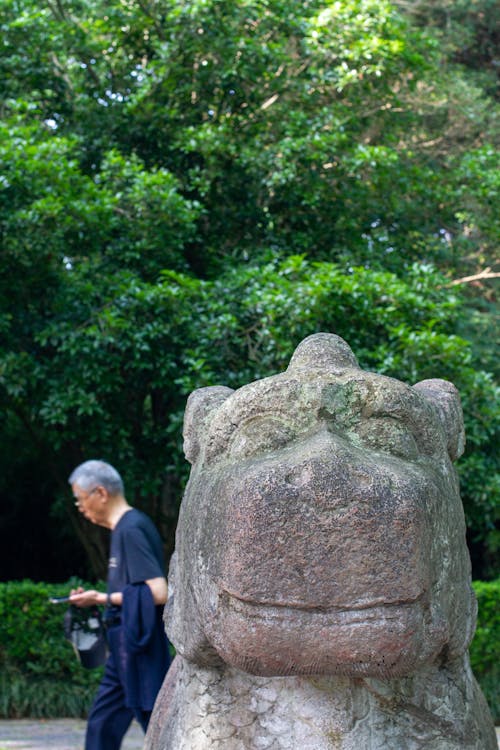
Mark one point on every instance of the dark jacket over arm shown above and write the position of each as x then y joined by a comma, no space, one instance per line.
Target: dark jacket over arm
145,646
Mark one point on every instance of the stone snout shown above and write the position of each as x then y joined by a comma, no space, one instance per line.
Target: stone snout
351,594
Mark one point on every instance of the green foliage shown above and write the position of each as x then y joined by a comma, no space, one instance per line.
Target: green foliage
469,31
40,673
188,189
142,352
485,647
235,127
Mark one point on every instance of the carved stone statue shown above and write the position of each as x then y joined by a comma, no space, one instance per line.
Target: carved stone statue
320,591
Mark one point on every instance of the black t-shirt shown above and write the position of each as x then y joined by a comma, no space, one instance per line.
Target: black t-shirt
136,552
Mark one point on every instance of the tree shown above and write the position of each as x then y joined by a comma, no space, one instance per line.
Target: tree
188,189
470,32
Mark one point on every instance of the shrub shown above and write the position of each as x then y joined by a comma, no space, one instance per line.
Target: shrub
40,675
485,647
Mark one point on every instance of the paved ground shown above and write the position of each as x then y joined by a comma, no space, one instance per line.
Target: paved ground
55,734
63,734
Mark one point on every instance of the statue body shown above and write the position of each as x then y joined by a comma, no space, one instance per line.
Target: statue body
320,591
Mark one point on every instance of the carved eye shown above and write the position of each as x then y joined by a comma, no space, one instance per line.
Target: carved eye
260,435
389,435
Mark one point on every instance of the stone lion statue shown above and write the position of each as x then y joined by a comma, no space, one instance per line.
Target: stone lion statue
320,590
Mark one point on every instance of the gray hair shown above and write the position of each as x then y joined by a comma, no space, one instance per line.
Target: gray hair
93,473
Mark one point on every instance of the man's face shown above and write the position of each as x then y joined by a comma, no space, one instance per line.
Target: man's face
90,503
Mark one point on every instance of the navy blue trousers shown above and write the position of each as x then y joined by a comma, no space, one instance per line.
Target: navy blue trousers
109,717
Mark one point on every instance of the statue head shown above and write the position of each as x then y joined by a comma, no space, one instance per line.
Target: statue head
322,531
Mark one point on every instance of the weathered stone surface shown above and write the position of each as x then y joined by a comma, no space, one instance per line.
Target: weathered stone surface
320,590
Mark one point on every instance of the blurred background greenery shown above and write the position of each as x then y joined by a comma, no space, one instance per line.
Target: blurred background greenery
188,188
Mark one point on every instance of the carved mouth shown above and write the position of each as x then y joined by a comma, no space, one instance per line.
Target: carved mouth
370,638
362,605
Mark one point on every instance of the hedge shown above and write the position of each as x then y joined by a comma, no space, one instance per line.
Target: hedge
40,675
485,647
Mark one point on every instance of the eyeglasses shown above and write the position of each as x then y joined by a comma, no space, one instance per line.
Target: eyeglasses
80,500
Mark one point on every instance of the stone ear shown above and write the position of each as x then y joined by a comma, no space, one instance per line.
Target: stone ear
199,405
446,399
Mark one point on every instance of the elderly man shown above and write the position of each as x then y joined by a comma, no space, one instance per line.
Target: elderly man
136,592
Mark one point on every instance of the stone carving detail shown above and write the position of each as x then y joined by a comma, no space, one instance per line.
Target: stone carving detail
320,591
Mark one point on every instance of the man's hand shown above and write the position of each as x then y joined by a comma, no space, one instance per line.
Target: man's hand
86,598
